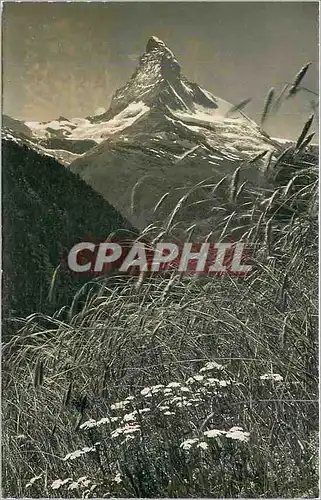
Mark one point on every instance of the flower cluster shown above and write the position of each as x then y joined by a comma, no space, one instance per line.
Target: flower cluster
79,453
235,433
275,377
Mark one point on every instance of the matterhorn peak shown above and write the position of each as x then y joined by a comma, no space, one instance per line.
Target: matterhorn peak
161,59
157,85
155,43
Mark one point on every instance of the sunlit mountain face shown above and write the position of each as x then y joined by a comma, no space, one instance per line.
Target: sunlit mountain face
161,135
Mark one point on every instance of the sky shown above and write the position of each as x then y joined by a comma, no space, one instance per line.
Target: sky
67,59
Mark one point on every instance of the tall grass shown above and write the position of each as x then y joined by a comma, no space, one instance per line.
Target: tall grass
180,387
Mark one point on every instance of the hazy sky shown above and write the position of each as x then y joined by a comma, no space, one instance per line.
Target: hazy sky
68,58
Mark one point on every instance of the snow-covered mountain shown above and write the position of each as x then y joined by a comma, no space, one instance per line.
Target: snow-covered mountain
163,134
157,85
160,134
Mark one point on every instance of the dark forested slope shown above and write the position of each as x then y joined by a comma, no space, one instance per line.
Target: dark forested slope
46,210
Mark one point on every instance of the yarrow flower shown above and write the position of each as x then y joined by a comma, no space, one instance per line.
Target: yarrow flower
96,423
120,405
143,410
187,445
213,433
212,365
202,445
126,429
79,453
238,434
146,391
82,482
193,443
212,381
55,485
157,388
224,383
163,407
195,378
131,429
173,384
33,480
129,417
117,479
88,424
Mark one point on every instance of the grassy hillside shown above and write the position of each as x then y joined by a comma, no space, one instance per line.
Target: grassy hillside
181,388
46,210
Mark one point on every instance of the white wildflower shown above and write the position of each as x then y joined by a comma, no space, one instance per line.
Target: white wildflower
144,410
224,383
83,479
272,376
213,433
55,485
202,445
212,365
107,420
126,429
129,417
73,486
194,400
79,453
187,445
235,428
173,384
168,391
163,407
73,455
117,479
167,413
120,405
117,432
177,398
238,434
131,428
212,381
157,388
145,391
88,424
180,404
185,389
33,480
82,482
195,378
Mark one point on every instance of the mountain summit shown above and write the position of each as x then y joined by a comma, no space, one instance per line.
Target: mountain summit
158,82
157,88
